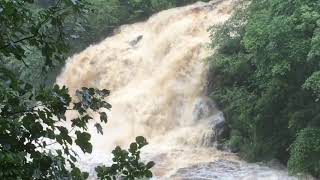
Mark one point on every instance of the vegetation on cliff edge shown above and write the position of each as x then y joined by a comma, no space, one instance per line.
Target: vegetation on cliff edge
265,75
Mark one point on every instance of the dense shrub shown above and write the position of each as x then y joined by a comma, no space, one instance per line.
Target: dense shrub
265,76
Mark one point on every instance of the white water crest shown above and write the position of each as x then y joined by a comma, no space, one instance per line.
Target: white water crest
157,75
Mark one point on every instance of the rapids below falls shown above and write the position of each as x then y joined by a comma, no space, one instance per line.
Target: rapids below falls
157,74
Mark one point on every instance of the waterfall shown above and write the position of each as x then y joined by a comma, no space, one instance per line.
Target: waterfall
157,76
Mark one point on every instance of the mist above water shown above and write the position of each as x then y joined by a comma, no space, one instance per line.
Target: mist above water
157,75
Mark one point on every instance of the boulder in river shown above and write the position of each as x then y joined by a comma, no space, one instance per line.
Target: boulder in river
136,40
205,110
220,129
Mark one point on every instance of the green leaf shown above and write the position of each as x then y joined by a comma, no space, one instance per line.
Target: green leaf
105,93
82,141
77,174
150,165
141,141
133,147
99,128
65,134
103,117
148,174
74,159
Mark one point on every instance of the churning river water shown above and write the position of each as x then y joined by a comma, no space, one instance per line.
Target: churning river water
157,75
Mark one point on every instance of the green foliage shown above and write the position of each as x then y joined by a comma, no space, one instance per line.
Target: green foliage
33,39
305,152
127,163
34,141
313,83
265,76
24,25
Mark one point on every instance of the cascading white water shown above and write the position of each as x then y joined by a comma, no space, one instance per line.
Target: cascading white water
157,75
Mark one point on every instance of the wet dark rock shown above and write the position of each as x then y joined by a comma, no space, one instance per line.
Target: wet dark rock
233,149
136,40
220,130
205,110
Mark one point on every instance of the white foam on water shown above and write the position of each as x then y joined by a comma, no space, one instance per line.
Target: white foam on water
156,73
